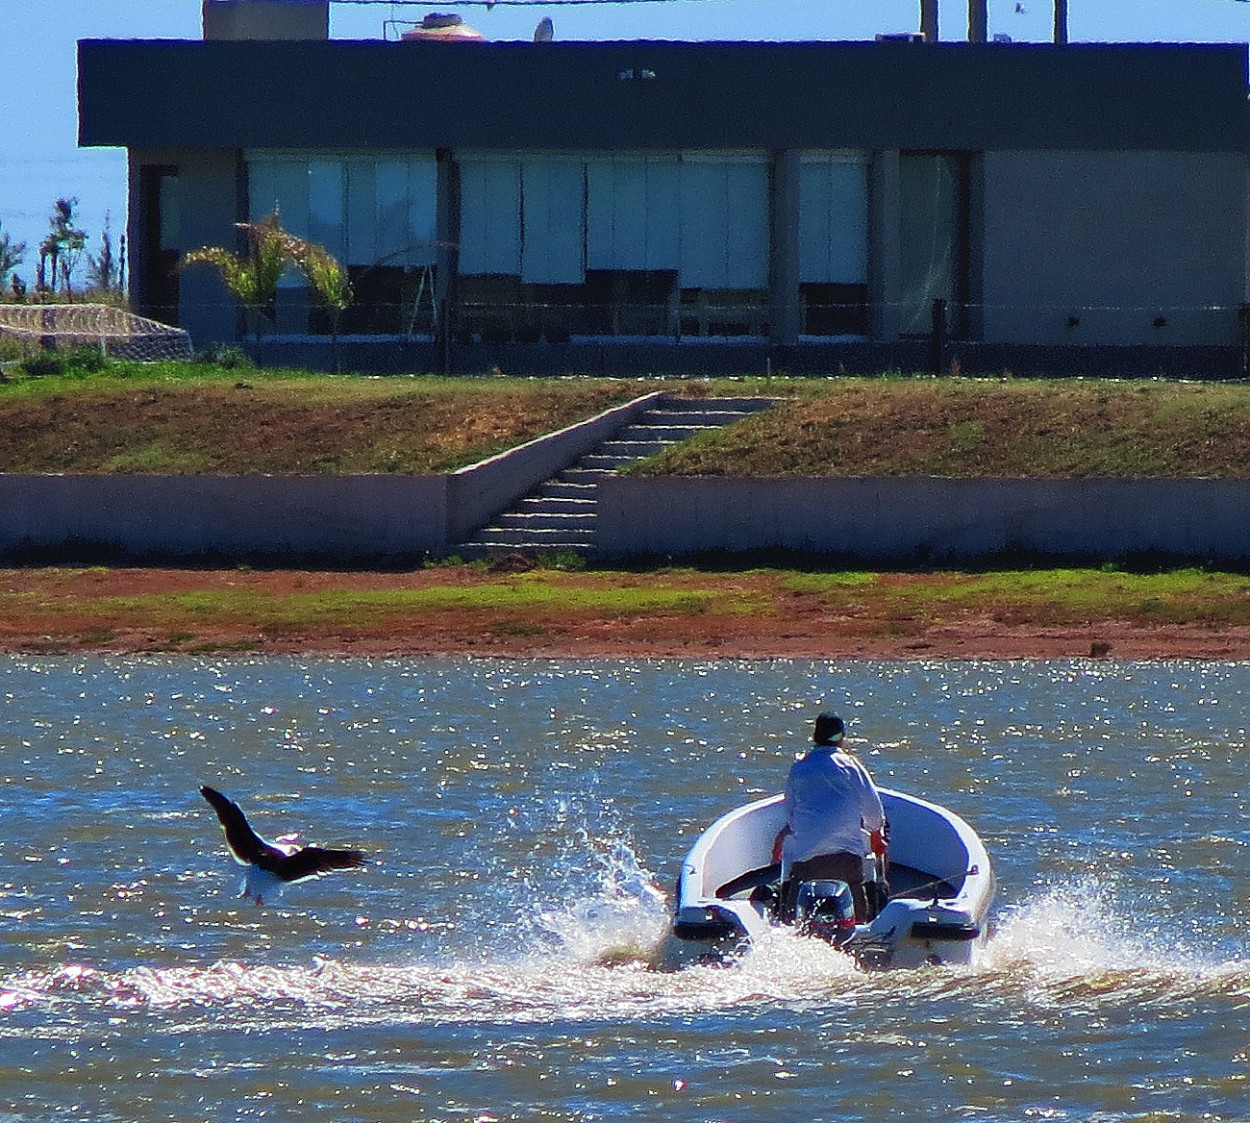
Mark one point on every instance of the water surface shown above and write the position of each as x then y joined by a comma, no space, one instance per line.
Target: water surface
525,821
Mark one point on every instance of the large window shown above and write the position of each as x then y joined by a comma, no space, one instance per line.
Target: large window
633,240
377,215
628,245
833,243
724,244
933,239
522,247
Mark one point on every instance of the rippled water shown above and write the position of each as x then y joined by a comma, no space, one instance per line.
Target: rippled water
524,823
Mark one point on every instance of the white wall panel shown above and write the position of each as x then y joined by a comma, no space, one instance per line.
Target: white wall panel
422,210
392,211
724,223
326,225
362,219
632,208
281,184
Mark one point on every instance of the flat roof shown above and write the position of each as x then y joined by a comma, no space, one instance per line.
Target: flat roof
653,95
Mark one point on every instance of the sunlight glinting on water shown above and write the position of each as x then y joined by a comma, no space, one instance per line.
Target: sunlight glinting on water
595,966
524,822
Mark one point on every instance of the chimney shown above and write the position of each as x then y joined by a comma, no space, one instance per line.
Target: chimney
266,19
929,20
1061,21
978,21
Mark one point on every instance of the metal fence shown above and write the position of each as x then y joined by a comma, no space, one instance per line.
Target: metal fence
117,333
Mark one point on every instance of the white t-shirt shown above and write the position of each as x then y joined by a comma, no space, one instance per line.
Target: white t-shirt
830,801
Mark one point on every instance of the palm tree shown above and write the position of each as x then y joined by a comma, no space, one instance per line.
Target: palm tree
252,277
329,282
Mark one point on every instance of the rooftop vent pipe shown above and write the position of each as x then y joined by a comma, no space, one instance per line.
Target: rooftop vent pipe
1061,21
978,21
266,19
929,20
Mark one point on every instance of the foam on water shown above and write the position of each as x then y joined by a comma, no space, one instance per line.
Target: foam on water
587,960
1085,942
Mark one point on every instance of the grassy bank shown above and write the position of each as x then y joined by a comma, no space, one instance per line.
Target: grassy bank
473,609
185,418
1000,428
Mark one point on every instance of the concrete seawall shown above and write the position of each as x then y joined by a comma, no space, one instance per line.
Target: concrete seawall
349,520
925,519
400,519
324,518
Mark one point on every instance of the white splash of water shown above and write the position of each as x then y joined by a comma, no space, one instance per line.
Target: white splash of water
1074,929
1083,941
612,911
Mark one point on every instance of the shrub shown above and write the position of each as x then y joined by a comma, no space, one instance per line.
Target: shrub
86,360
225,355
44,364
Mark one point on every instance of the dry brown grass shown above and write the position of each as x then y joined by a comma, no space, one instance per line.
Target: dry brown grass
990,428
262,423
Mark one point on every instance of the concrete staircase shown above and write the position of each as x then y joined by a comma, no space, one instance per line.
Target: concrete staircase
560,515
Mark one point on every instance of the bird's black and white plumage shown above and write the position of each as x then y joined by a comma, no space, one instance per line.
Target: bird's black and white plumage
272,865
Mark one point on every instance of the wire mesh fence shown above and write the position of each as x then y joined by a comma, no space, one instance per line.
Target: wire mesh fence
117,333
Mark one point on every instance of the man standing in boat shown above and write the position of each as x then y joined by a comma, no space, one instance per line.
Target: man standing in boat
835,824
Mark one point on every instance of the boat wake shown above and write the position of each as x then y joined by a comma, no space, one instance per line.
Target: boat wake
1106,951
582,952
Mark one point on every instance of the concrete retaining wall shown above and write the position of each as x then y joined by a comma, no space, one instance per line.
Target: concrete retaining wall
880,520
324,518
339,519
372,519
479,492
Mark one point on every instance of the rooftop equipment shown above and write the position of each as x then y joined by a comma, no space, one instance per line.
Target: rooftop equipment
440,27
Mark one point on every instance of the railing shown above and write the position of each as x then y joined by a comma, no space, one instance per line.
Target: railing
940,331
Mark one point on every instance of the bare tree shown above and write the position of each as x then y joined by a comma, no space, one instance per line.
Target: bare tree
104,270
62,248
12,254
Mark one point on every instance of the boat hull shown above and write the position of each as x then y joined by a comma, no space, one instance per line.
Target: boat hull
941,879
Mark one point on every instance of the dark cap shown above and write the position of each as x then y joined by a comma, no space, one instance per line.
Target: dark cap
829,730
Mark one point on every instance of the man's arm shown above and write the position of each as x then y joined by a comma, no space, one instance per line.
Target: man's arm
871,812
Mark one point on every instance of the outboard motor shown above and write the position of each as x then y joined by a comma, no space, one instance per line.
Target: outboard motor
825,909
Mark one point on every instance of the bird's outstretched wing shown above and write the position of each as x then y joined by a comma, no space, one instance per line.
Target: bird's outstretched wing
248,848
311,861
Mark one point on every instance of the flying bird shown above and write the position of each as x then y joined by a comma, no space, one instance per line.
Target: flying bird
273,865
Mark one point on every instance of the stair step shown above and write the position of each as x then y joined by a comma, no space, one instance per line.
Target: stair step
703,419
472,550
567,489
505,536
606,463
633,450
542,520
582,476
714,405
557,505
661,431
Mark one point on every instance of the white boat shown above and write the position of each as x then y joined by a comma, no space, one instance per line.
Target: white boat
940,877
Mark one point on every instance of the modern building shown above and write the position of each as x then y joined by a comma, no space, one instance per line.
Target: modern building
695,206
